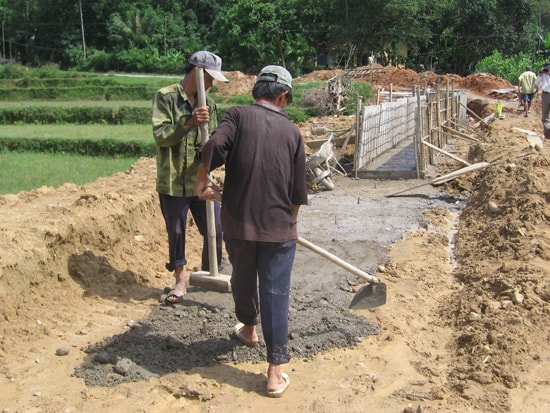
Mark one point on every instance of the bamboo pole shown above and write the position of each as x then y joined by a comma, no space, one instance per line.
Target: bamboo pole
475,115
417,137
450,155
453,132
455,174
210,211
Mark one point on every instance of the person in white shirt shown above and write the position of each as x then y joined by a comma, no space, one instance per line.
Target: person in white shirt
543,84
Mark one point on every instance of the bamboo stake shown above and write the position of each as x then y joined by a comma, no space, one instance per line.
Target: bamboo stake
417,137
450,155
474,114
453,132
455,174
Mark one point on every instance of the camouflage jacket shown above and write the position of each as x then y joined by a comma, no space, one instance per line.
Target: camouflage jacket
177,144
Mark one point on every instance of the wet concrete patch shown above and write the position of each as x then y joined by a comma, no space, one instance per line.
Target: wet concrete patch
355,222
193,334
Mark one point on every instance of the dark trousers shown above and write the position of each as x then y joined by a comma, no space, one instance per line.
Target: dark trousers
174,210
545,110
260,284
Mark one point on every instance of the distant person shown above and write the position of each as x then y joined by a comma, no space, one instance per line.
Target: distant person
527,88
265,185
176,119
371,60
543,84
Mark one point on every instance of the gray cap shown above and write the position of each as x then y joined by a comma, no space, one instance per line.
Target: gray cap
209,62
277,74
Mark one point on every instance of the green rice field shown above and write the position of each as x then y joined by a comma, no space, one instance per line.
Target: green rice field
27,171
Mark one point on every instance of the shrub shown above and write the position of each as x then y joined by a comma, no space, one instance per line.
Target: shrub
507,68
240,100
318,100
354,90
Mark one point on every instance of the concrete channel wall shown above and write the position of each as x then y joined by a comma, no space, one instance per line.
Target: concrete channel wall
396,140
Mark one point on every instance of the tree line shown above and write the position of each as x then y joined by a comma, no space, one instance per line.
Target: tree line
155,36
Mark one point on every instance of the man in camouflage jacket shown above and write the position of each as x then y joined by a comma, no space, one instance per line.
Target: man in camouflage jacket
175,120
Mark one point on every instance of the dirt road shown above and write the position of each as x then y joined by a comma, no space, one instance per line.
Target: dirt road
465,328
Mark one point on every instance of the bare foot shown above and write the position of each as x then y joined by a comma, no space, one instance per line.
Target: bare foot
175,296
177,293
277,381
246,334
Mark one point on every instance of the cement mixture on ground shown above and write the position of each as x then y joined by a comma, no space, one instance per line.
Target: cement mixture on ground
361,227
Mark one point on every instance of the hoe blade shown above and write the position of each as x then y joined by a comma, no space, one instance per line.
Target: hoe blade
369,296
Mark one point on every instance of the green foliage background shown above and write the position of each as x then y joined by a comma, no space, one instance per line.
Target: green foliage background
147,36
508,68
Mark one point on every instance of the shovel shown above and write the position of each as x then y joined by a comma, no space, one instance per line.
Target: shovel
370,296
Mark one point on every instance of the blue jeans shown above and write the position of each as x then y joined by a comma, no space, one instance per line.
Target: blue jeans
174,209
260,284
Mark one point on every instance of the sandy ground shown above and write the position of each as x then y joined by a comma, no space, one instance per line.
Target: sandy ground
465,327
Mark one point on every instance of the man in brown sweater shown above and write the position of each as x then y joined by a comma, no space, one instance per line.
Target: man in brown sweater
265,185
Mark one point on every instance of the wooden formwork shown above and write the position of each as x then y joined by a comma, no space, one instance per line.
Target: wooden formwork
443,117
428,120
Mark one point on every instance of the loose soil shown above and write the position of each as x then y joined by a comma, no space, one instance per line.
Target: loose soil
465,327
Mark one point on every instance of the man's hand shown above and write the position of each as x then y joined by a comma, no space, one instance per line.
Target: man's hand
200,115
205,192
209,191
204,187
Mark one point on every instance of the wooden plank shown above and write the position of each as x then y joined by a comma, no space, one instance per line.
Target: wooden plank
455,174
458,134
475,115
316,143
220,283
450,155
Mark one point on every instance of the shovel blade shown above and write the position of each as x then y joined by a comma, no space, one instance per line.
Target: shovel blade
369,296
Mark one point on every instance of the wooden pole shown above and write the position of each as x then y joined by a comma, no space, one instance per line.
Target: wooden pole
210,212
417,134
3,42
82,29
450,155
211,279
358,138
455,174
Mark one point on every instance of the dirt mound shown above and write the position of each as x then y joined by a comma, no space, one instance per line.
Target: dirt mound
480,107
486,84
506,273
321,75
239,84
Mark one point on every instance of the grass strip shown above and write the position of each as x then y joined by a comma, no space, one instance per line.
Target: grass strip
27,171
93,132
112,104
